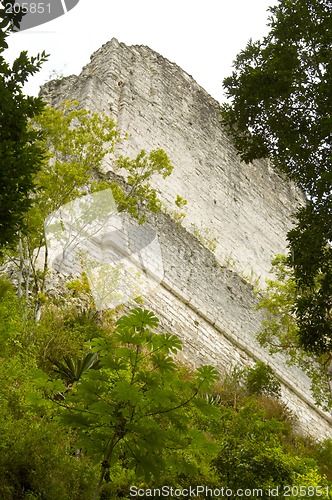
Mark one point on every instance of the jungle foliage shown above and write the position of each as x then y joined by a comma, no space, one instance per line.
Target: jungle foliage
91,405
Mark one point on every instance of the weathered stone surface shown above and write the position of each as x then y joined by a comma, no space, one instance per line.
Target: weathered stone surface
247,207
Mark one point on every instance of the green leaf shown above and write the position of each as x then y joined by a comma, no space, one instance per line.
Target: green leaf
206,376
138,319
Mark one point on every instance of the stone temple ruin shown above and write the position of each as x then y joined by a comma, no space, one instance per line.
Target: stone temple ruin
245,210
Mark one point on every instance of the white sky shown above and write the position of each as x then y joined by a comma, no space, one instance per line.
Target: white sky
203,37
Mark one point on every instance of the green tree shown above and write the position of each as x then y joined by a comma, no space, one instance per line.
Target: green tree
258,439
77,142
280,108
280,331
251,452
74,140
261,380
310,485
133,410
21,155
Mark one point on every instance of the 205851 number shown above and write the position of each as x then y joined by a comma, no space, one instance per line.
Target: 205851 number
305,491
27,7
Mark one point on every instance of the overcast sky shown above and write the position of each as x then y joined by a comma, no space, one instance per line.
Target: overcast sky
203,37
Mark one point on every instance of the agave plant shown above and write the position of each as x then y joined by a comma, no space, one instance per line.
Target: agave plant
72,368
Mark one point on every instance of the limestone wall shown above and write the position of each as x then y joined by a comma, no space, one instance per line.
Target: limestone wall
212,309
247,207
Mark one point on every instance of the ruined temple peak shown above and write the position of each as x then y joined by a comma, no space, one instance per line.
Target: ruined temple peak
140,51
117,63
244,211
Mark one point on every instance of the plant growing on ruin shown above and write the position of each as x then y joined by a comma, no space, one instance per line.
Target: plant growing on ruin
139,198
175,214
206,237
280,102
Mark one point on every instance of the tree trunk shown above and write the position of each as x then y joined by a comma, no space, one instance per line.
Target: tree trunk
105,465
329,376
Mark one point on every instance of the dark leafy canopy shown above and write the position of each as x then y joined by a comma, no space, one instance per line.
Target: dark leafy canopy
20,157
281,101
